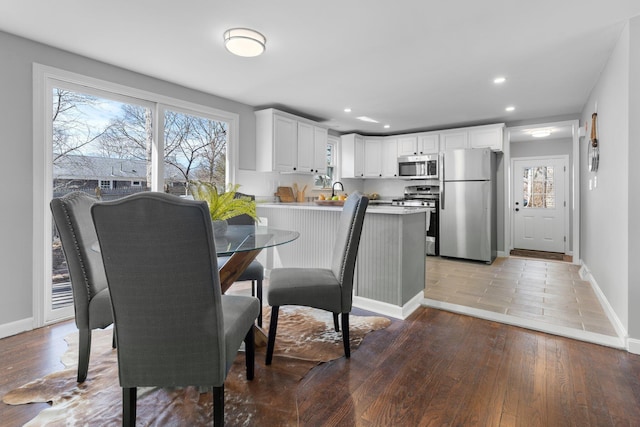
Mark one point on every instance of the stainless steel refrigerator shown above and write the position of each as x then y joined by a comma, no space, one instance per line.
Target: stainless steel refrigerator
468,205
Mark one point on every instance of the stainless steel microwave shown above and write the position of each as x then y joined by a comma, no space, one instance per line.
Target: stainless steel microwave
424,166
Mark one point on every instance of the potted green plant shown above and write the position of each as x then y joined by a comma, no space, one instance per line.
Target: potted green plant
222,206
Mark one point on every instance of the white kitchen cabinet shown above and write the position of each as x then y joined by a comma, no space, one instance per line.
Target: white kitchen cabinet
306,149
407,145
320,139
486,137
425,143
372,157
429,143
452,140
390,157
352,156
287,143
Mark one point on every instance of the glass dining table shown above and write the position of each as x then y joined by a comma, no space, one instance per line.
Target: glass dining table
243,243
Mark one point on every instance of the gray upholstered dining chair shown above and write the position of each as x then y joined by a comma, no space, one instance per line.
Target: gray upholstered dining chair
324,288
174,327
72,216
255,271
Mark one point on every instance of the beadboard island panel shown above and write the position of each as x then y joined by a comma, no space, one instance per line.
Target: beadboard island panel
390,270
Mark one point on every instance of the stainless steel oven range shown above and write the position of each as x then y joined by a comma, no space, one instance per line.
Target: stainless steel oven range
427,196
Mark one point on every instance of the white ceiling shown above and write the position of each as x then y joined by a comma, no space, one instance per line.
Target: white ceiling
415,65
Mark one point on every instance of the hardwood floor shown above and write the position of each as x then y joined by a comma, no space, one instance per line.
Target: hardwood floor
435,368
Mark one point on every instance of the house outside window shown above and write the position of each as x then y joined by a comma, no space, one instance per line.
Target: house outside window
94,129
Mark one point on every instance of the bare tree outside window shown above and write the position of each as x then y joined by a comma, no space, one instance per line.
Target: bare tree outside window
103,147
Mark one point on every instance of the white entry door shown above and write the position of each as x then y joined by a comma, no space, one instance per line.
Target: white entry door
539,199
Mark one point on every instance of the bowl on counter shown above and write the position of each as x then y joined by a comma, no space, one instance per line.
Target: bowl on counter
330,202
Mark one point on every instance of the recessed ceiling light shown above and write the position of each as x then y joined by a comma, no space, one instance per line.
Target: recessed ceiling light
387,126
499,80
347,110
367,119
541,133
510,108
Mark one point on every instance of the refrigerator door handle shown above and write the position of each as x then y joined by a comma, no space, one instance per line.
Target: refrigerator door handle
441,181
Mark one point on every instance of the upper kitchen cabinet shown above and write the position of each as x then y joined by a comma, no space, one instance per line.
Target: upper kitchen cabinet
452,140
423,143
390,157
372,157
489,136
380,157
287,143
320,140
352,156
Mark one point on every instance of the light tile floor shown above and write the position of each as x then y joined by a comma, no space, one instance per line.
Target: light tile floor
541,290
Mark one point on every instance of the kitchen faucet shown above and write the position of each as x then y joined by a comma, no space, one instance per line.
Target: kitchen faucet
333,188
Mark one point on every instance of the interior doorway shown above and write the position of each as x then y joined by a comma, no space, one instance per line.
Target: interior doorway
540,214
544,140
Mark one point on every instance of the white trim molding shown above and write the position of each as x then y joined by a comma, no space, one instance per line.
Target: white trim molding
387,309
585,274
562,331
14,328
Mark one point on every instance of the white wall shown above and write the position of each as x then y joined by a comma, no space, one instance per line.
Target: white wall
633,190
16,122
604,227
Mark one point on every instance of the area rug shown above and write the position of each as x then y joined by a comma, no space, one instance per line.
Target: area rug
305,338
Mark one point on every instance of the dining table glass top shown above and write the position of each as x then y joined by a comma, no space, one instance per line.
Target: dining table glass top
244,238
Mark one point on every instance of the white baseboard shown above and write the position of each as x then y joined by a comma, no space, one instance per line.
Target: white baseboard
585,274
14,328
502,254
633,345
387,309
563,331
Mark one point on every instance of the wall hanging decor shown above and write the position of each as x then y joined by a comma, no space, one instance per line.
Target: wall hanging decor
593,153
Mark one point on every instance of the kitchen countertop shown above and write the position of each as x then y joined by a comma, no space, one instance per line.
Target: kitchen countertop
371,209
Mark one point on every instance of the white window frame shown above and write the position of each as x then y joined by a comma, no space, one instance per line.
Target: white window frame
45,78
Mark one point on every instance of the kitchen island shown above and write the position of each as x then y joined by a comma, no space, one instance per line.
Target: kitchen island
390,271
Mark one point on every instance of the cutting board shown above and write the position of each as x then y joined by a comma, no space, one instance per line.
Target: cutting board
286,194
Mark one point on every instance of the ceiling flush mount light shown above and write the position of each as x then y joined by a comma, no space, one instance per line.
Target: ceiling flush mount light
387,126
510,108
541,133
499,80
347,110
244,42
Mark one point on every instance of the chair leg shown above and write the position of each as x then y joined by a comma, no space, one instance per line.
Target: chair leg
250,352
113,342
335,322
218,406
345,335
84,352
273,325
129,395
260,298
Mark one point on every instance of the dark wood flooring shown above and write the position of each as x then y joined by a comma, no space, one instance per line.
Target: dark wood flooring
435,368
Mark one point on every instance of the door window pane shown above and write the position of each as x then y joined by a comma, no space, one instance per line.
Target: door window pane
538,187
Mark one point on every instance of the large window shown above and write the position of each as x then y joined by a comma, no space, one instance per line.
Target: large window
111,141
